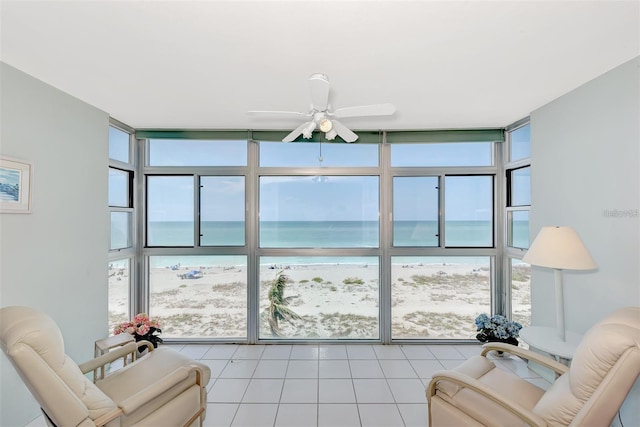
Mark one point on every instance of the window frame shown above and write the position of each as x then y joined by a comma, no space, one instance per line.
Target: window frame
130,253
384,252
511,253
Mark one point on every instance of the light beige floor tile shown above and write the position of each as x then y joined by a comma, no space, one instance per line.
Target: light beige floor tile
297,415
342,415
300,391
255,415
377,415
302,369
336,391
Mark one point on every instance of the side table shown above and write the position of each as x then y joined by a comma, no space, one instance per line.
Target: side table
103,346
546,339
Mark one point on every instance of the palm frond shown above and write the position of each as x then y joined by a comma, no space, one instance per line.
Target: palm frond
278,309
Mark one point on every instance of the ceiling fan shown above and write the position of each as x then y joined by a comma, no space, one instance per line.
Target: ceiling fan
321,116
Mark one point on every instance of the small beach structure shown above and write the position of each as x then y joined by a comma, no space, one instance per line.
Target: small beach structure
193,274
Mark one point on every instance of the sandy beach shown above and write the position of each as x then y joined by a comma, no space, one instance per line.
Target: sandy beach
337,301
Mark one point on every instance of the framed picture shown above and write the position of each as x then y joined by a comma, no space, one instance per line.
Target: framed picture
15,186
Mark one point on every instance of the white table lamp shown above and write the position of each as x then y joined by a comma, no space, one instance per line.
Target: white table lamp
559,248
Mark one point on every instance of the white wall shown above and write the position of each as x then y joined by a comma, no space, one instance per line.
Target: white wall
585,160
54,259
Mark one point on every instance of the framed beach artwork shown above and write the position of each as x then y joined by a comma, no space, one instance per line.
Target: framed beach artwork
15,186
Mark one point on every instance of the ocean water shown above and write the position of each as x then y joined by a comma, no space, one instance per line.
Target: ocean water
315,234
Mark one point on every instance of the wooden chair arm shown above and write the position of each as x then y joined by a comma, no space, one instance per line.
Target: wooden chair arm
142,343
547,362
115,354
95,363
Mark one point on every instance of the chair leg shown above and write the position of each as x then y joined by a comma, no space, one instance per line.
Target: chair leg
198,416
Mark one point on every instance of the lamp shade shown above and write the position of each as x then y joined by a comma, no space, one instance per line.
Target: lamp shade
559,248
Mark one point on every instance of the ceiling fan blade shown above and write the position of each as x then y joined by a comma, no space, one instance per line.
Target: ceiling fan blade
296,132
344,132
277,113
366,110
319,89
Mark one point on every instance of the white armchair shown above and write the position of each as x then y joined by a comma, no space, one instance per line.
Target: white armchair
162,388
605,366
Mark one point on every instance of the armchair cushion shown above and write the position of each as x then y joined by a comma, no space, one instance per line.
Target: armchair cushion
477,407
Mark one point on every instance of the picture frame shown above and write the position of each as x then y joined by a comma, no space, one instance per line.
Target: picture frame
16,178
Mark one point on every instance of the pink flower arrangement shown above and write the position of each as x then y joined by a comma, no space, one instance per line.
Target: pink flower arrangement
142,328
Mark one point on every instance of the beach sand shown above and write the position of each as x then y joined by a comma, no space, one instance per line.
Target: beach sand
430,301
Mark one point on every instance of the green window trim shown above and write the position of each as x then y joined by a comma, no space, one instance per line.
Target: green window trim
371,137
459,135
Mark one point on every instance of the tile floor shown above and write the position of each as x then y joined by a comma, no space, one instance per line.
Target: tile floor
326,385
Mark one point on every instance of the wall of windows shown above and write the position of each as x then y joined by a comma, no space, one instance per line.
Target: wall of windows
257,240
123,227
517,207
234,235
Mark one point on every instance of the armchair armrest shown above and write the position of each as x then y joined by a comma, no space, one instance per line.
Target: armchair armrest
180,374
115,354
475,385
547,362
109,357
149,345
134,402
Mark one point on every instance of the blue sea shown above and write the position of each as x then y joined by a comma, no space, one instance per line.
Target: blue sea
317,234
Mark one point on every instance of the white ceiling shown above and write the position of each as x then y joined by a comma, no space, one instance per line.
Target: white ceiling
203,64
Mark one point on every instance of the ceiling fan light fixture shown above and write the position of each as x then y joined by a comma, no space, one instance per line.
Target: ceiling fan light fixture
326,125
321,115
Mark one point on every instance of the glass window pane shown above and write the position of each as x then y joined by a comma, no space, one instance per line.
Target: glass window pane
199,296
469,211
315,154
119,285
415,211
518,229
520,187
438,297
521,292
319,297
194,152
119,145
319,212
119,185
120,230
170,208
222,210
442,154
520,143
